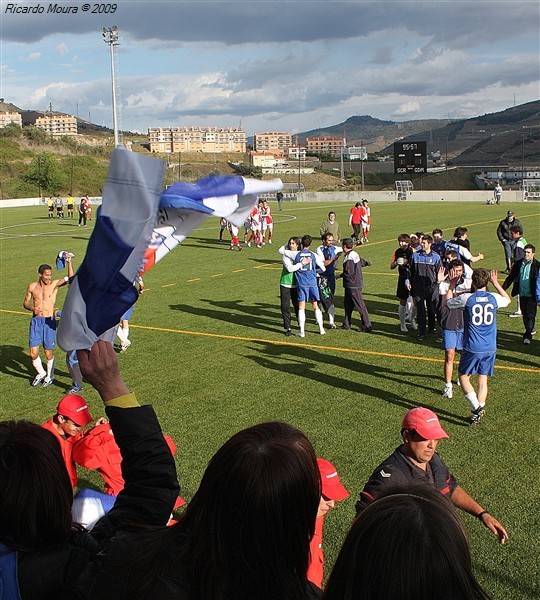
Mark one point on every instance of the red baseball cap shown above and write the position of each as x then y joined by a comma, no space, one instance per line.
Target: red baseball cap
425,422
332,487
74,407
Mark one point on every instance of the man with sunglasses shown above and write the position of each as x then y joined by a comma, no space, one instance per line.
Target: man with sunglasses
416,462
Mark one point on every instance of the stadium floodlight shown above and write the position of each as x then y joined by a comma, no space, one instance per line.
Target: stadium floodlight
110,37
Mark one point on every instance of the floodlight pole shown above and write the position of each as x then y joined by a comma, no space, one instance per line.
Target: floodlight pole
110,37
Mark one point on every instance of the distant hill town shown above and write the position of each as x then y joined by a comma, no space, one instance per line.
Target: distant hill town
509,137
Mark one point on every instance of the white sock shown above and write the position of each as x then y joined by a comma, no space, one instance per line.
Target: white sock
413,313
402,314
121,333
50,368
472,399
319,319
38,365
331,313
301,319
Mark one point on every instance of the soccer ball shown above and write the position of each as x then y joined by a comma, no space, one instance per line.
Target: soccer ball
401,261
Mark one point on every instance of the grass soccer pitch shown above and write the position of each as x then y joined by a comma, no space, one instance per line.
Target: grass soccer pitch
209,353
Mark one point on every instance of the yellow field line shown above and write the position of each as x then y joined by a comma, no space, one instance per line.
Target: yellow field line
295,344
168,284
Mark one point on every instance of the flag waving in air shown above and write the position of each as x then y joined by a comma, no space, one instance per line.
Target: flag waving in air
135,228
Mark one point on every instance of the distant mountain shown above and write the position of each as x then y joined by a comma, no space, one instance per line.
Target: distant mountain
504,138
371,132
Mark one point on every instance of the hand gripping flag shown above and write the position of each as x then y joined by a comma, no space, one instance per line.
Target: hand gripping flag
135,228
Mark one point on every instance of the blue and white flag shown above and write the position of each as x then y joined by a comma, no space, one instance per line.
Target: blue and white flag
184,206
61,259
135,228
102,289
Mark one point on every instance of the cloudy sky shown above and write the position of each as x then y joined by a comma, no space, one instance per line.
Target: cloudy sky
276,65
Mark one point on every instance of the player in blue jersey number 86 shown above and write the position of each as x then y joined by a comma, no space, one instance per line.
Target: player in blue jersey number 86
479,336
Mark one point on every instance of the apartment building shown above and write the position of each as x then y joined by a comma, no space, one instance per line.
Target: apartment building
271,140
325,145
56,124
6,118
197,139
296,153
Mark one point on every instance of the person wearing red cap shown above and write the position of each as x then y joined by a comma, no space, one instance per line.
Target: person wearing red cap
416,461
67,424
332,491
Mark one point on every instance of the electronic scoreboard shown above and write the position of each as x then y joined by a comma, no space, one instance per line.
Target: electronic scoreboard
410,157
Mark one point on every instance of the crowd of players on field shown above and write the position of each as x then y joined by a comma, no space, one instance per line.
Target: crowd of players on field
254,529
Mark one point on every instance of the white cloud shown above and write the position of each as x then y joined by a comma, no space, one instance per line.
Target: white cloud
408,109
62,49
34,56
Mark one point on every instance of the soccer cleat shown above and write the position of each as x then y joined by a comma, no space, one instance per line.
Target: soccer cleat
288,332
403,328
269,241
125,346
526,341
515,314
301,334
366,241
421,338
322,332
249,244
476,415
448,391
38,379
75,389
47,382
367,329
414,324
347,327
332,326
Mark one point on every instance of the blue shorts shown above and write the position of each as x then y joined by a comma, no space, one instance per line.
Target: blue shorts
127,315
476,363
308,294
452,340
43,332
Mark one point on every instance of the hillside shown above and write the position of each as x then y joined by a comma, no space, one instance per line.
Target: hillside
502,138
370,132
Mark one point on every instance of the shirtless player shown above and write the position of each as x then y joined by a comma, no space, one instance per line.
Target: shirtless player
40,298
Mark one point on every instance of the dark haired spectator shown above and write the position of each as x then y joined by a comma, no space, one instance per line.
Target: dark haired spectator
525,281
408,544
424,267
244,535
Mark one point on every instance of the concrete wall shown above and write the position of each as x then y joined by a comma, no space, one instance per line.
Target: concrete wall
414,196
17,202
349,197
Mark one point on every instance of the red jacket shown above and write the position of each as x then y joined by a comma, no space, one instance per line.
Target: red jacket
66,444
